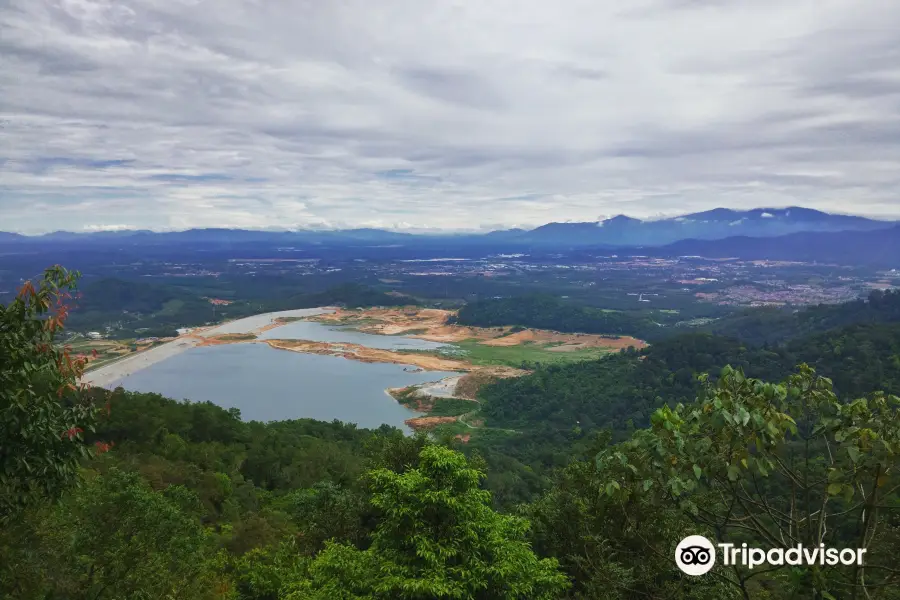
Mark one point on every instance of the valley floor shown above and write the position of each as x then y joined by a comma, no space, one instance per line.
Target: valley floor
480,355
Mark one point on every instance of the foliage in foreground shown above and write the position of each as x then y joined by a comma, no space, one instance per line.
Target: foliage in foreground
195,503
772,465
43,413
437,538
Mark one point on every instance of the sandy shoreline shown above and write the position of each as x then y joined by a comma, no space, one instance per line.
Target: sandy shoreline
113,373
426,362
109,374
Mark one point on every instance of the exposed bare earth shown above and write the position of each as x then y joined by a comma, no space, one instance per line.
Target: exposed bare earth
424,423
371,355
431,324
468,385
445,388
421,397
396,321
426,324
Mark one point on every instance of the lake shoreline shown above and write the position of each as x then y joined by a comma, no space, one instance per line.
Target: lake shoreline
265,385
116,371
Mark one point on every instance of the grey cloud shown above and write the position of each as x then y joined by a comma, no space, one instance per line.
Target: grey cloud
254,113
857,86
48,63
588,73
452,85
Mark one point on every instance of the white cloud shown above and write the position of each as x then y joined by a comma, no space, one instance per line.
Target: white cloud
180,113
108,227
766,215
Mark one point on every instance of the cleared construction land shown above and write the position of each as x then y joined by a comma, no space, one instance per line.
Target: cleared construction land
479,355
509,346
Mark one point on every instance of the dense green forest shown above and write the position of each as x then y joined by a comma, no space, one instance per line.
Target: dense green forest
548,312
776,325
108,495
755,325
136,308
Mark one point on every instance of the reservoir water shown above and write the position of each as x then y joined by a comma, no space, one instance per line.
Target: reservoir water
267,384
321,332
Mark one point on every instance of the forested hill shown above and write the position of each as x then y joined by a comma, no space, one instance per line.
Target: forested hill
109,494
755,325
547,312
351,295
777,325
621,391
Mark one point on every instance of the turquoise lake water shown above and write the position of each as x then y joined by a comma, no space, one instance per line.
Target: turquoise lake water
320,332
267,384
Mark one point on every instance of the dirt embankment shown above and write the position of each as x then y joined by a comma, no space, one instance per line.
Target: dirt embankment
423,323
431,324
468,385
371,355
426,423
422,397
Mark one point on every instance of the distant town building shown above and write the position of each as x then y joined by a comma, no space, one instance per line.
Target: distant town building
219,301
94,335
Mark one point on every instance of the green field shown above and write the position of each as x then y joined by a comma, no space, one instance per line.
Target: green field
171,308
515,356
236,337
106,350
289,319
451,407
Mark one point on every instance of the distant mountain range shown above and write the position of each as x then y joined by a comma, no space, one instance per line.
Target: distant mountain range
879,248
211,236
715,224
620,231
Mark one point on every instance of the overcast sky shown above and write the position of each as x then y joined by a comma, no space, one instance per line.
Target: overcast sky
169,114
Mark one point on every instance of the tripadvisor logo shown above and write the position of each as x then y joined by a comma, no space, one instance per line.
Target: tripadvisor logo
696,555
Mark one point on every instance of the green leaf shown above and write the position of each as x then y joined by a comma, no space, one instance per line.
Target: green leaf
697,472
834,489
611,488
733,472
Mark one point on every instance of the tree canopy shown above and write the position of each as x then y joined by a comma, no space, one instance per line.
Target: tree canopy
43,413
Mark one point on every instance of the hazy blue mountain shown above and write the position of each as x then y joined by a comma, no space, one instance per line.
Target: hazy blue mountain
501,234
621,230
714,224
876,248
212,236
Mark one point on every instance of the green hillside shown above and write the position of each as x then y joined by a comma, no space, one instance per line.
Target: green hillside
597,469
